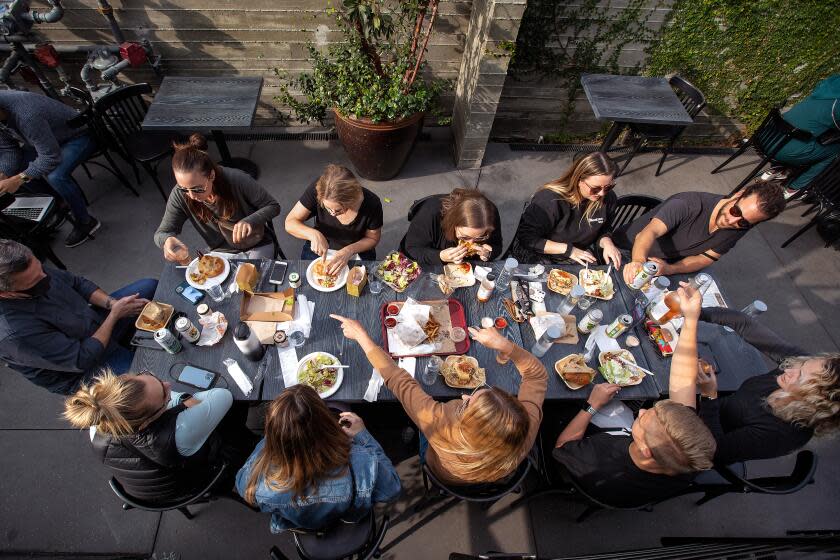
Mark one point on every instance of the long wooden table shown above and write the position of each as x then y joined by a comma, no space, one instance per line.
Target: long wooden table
736,359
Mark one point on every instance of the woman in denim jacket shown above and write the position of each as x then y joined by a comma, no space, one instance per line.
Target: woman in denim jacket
309,471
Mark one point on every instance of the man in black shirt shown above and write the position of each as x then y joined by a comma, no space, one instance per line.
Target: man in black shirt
669,442
691,230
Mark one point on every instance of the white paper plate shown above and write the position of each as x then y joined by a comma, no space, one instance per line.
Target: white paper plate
216,280
339,283
338,379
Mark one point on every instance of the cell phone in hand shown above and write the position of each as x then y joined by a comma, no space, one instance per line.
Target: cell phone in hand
278,273
197,377
189,293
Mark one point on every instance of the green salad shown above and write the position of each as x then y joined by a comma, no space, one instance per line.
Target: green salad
616,372
398,271
321,380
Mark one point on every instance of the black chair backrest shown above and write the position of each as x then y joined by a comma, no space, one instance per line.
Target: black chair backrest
692,98
490,492
213,479
567,476
801,476
415,206
124,109
774,132
826,185
342,540
631,206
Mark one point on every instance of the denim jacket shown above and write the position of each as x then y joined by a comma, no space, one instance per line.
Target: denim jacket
375,477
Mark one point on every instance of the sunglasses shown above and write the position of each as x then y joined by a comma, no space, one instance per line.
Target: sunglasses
598,189
473,239
193,190
736,212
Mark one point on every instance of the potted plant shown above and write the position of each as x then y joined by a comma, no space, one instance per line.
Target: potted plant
372,82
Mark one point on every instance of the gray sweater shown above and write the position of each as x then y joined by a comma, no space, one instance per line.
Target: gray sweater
37,121
254,205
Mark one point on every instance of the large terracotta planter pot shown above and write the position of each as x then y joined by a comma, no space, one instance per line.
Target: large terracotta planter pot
378,150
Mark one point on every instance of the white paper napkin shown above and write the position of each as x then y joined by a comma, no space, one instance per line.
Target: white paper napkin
605,343
238,376
375,383
614,414
288,364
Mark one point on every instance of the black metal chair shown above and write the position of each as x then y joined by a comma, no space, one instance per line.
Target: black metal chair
770,137
101,136
731,480
204,495
631,206
691,98
824,194
35,235
123,111
343,541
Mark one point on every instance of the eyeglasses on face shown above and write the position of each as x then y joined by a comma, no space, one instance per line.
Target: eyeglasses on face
334,213
192,190
736,212
597,189
472,394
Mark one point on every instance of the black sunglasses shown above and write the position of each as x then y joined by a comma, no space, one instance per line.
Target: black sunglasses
736,212
598,189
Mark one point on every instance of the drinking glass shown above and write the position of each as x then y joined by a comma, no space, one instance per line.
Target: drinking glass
296,338
432,369
375,287
584,303
216,292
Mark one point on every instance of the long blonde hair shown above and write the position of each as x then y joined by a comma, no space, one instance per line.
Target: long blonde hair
111,403
568,185
304,444
815,403
490,437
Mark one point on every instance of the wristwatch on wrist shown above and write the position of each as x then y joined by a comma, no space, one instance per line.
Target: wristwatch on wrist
184,397
24,177
586,407
109,303
707,397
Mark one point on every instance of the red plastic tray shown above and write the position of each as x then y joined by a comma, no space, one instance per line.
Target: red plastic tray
456,315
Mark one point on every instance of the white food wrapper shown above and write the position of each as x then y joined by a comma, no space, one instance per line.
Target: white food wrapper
288,365
375,383
213,328
614,414
238,376
412,317
537,296
605,343
540,324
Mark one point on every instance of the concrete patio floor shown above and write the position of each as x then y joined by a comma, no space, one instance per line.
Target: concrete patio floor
54,498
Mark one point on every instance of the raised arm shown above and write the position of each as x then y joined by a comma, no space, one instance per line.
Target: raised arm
683,383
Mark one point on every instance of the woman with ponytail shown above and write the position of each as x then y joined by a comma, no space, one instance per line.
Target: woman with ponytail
157,442
229,209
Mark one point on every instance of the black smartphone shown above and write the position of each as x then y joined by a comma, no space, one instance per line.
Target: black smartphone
189,293
197,377
278,272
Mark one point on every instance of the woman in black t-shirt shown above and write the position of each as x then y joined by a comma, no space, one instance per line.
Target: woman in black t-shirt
569,214
348,218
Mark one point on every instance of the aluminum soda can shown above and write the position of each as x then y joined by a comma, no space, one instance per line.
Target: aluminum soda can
621,324
590,321
184,326
294,280
648,271
167,341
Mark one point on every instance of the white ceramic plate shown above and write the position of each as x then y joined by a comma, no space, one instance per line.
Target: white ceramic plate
216,280
338,378
339,283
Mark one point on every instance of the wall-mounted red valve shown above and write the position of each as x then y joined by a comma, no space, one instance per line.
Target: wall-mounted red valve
134,53
46,54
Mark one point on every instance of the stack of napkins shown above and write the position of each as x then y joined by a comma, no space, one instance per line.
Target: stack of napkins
376,381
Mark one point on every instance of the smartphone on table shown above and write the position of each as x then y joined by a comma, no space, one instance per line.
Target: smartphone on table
278,273
197,377
189,293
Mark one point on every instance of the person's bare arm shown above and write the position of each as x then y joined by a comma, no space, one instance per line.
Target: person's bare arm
688,264
295,225
602,393
101,299
683,382
641,247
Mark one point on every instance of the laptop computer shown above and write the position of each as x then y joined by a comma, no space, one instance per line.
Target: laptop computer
32,208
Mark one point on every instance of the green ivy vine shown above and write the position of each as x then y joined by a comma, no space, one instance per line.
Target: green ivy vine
748,56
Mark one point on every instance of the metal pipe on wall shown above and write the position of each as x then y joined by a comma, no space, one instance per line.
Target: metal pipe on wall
108,12
64,49
52,16
27,59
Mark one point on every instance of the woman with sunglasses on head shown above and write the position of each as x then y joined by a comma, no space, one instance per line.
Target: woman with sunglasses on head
463,225
568,215
482,437
691,230
157,442
228,208
348,219
313,468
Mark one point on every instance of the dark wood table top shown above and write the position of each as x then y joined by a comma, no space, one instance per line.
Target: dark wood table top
634,99
734,359
184,103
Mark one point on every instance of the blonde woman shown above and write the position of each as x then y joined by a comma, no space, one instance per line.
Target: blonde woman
480,438
348,218
775,413
309,470
568,215
156,441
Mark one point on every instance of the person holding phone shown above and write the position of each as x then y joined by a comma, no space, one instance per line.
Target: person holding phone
159,443
59,329
312,469
229,209
463,225
348,219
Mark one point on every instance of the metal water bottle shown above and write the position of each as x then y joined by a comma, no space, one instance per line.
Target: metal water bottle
248,343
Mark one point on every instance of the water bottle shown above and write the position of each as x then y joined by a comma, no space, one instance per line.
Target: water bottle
752,310
248,343
503,282
571,300
542,345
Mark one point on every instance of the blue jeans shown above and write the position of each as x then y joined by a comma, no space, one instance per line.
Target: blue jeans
119,354
73,153
307,254
424,445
